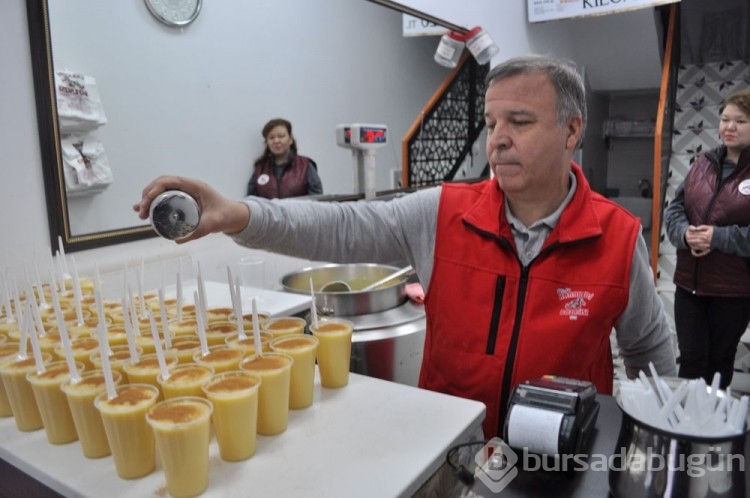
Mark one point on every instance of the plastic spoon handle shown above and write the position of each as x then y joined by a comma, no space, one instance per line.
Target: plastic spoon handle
402,271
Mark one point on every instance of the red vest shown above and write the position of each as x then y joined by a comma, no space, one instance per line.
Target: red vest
492,324
293,179
708,201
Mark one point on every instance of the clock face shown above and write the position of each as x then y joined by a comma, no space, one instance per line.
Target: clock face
174,13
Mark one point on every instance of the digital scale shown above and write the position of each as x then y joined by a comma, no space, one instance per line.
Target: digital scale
363,140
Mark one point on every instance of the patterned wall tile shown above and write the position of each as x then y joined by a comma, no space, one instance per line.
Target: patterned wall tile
700,117
694,141
713,71
679,165
711,93
670,193
726,88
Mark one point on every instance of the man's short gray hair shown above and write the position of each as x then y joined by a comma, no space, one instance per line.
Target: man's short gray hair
568,83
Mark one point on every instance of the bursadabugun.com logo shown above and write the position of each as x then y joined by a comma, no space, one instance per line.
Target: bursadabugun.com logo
498,464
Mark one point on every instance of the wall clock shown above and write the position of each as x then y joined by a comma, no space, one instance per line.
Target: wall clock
174,13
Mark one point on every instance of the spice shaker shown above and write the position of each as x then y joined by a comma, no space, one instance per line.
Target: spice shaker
174,214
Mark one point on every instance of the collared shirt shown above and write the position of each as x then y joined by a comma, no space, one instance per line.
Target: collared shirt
727,167
529,240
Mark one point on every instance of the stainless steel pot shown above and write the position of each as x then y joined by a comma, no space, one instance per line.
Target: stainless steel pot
358,276
653,462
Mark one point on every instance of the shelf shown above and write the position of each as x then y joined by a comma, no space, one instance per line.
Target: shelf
629,128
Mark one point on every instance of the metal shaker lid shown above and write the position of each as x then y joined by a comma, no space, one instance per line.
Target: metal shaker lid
174,214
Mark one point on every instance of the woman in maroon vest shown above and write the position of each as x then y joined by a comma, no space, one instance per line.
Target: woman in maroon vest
709,223
280,171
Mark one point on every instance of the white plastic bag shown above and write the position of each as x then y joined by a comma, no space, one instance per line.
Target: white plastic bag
86,168
79,106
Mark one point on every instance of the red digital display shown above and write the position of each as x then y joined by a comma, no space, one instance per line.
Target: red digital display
372,135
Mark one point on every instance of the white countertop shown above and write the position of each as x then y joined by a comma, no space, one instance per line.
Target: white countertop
217,295
373,438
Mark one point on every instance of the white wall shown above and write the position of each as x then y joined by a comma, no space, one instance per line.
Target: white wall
619,50
23,215
23,223
24,239
193,101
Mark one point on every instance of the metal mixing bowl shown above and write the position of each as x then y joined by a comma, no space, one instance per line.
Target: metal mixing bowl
358,276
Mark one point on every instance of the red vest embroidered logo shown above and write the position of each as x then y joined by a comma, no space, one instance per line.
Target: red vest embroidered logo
576,303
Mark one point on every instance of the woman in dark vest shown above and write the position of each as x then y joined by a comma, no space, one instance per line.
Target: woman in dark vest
709,223
280,171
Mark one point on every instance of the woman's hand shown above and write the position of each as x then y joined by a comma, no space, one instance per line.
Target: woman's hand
218,214
698,238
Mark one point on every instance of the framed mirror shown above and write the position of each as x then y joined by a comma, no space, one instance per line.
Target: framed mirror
58,212
192,100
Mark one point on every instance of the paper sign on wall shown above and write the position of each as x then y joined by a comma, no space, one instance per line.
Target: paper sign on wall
414,26
550,10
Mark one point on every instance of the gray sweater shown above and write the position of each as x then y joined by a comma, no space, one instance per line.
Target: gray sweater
403,230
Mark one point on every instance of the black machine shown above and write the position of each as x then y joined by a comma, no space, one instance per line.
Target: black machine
551,415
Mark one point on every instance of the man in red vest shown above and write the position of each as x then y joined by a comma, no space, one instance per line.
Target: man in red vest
526,273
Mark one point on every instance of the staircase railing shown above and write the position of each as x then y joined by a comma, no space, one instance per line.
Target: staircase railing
663,134
441,137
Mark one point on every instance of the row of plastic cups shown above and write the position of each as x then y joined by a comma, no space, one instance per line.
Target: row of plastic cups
50,400
242,403
114,314
185,348
145,370
334,365
35,397
270,405
86,347
216,333
253,400
217,325
287,373
65,409
221,359
178,429
19,395
8,352
302,349
119,425
68,303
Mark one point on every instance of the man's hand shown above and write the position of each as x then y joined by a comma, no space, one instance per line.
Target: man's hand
218,214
